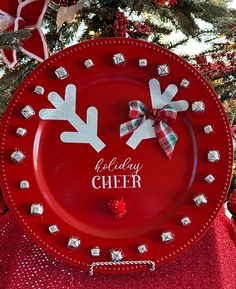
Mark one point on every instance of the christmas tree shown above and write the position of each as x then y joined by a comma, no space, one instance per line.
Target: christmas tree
67,22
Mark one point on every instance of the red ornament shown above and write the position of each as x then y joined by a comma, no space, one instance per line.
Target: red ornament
65,3
142,28
232,203
121,24
117,207
218,66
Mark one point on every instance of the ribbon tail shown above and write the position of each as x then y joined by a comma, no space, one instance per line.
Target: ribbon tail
39,51
9,56
166,138
130,126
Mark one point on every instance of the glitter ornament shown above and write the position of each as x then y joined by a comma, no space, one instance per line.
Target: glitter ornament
117,207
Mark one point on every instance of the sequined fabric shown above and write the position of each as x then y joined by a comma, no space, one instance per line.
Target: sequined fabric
209,264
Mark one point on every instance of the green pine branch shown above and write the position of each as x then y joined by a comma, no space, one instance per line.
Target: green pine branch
11,79
172,45
13,40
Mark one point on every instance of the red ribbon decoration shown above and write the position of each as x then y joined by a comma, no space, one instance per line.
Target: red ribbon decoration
24,14
166,114
138,113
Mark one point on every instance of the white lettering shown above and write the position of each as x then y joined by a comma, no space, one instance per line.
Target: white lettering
94,182
126,181
114,165
136,181
106,182
116,182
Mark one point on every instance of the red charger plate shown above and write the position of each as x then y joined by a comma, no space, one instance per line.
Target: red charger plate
66,168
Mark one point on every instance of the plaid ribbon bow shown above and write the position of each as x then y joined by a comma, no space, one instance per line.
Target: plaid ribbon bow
138,113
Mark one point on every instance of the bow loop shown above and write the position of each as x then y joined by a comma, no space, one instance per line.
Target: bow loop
137,115
168,114
137,109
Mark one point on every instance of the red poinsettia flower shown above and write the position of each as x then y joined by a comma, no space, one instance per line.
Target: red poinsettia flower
24,14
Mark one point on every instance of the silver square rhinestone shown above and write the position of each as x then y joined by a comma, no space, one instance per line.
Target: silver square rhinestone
39,90
186,221
208,129
88,63
163,70
142,62
95,252
210,179
213,156
116,255
36,209
142,248
185,83
74,243
167,236
17,156
24,185
21,131
119,59
53,229
200,200
61,73
27,111
198,106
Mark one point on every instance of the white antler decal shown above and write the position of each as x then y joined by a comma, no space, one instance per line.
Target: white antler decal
65,110
147,129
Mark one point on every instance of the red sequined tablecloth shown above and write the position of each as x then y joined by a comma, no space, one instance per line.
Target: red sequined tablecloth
209,264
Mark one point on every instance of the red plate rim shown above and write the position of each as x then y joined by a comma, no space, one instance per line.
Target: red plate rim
7,193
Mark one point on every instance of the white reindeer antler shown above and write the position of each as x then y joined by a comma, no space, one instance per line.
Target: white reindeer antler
159,100
147,130
65,110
